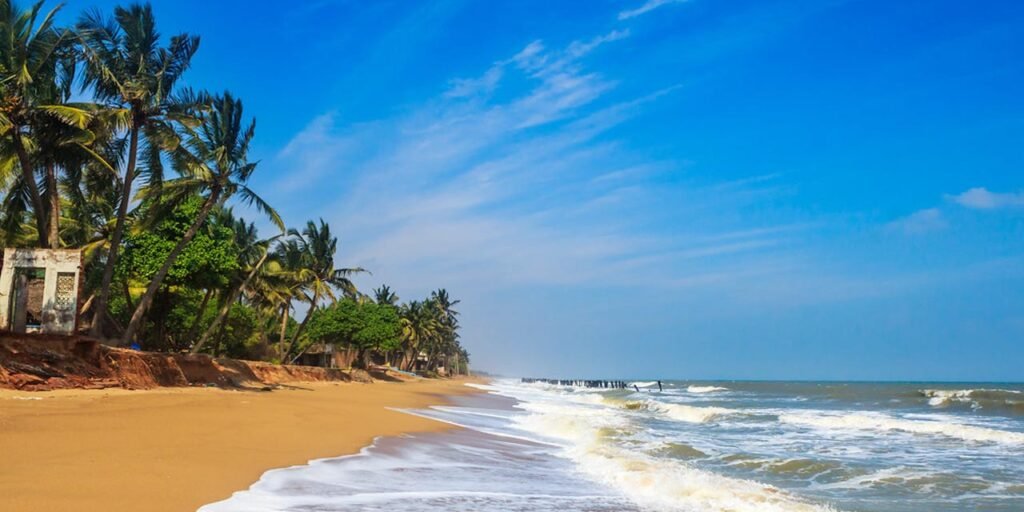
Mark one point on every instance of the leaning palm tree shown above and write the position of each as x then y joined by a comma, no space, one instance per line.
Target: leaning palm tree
316,248
128,70
250,248
213,163
284,287
36,70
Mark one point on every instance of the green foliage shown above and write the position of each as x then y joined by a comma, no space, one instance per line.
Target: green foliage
209,260
364,326
68,168
240,333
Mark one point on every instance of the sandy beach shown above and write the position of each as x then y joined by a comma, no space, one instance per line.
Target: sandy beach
175,449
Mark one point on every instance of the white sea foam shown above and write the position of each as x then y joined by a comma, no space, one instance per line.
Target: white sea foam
668,485
705,389
652,482
943,397
690,413
450,472
879,422
940,397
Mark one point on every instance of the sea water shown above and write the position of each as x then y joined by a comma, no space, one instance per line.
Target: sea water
694,446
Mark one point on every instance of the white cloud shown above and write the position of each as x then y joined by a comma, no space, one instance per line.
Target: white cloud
468,87
312,153
473,192
981,198
919,222
647,7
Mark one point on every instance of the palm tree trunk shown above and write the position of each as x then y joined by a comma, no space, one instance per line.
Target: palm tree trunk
115,239
154,285
302,326
284,328
127,294
53,216
194,328
300,354
29,178
413,354
224,310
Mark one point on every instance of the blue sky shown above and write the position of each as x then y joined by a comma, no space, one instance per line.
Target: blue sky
657,188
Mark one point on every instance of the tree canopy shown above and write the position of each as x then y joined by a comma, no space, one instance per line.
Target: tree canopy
360,325
103,148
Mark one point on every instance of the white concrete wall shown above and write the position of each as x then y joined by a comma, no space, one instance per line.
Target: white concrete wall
57,320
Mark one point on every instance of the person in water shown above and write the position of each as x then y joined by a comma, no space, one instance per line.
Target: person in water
659,386
636,388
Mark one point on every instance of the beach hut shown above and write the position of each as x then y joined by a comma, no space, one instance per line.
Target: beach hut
39,290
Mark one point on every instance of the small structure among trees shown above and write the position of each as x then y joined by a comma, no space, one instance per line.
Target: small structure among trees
39,290
365,327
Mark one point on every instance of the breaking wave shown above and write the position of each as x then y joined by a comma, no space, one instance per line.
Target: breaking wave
878,422
650,481
692,414
705,389
977,399
678,412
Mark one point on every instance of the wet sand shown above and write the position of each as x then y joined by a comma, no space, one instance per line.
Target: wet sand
175,449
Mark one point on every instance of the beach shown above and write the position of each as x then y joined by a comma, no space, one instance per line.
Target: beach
176,449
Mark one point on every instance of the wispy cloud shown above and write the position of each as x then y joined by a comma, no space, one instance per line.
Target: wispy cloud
313,152
919,222
980,198
647,7
515,178
468,87
466,190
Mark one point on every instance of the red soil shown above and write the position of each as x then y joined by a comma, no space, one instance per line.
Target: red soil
44,362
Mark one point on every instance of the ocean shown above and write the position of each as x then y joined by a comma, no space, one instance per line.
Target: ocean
695,446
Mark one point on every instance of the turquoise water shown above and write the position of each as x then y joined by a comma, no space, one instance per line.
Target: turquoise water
695,446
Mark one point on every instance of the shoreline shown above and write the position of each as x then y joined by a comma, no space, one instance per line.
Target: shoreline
177,449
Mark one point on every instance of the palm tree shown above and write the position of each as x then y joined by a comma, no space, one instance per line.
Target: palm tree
444,305
213,162
444,343
250,248
128,70
284,287
36,69
419,327
62,149
313,250
92,188
384,295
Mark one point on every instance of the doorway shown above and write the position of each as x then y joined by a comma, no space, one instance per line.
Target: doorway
27,306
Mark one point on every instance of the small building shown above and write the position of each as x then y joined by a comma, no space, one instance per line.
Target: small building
39,290
326,355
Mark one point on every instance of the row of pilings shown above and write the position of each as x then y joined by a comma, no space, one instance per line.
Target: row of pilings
602,384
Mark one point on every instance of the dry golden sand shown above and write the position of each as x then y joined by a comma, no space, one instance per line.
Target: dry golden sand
175,449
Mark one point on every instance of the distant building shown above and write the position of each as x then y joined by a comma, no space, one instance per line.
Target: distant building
39,290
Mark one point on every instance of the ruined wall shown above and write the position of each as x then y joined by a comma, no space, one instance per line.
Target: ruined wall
60,301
